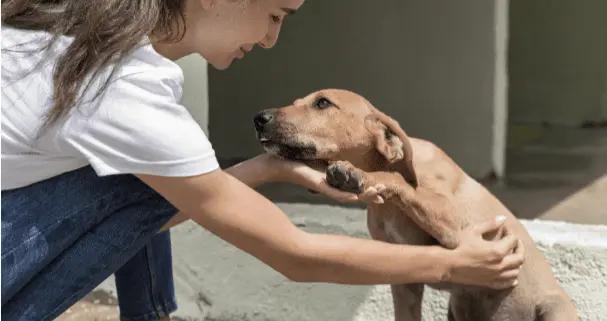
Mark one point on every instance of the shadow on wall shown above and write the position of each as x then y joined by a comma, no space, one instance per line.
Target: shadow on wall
547,165
557,144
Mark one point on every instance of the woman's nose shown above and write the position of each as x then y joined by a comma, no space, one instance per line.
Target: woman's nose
271,38
267,43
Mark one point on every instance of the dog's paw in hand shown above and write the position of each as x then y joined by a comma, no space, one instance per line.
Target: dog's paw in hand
344,176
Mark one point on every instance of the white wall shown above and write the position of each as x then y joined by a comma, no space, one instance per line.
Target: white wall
196,88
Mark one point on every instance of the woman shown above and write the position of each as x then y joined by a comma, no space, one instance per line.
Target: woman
98,155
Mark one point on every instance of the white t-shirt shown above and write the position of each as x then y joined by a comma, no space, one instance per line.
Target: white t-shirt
136,126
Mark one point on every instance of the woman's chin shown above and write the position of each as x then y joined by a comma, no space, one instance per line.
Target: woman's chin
222,64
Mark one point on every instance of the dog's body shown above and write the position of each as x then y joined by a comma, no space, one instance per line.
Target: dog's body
538,295
429,199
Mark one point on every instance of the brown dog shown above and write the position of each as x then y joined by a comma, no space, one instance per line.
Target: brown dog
428,198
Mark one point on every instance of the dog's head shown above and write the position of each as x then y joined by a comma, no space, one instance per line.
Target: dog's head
333,125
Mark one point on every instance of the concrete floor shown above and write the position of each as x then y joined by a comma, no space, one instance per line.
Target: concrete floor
217,282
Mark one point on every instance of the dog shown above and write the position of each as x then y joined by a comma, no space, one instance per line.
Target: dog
428,199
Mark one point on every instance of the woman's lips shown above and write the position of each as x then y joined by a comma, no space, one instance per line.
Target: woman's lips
241,53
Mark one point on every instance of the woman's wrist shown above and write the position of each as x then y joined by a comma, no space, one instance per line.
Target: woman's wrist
255,171
443,264
273,168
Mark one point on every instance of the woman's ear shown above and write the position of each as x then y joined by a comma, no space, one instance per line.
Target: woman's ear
392,142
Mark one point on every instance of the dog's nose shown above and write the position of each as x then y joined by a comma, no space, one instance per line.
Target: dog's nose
262,119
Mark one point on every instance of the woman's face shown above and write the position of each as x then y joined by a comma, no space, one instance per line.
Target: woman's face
224,30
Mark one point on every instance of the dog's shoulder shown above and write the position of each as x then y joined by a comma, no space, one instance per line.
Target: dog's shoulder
435,168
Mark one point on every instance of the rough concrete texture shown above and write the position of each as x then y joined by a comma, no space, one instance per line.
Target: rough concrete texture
218,282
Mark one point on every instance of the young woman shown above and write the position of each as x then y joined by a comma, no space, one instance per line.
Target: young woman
98,155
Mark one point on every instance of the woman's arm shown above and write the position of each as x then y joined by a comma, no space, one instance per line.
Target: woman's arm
266,168
253,172
236,213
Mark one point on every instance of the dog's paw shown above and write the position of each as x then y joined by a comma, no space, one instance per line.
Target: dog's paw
344,176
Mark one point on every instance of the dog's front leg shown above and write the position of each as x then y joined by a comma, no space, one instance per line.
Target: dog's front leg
431,210
407,301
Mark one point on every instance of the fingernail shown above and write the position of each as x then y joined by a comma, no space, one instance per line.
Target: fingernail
500,218
515,283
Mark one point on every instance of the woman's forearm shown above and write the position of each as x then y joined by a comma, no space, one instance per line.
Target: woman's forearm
365,261
229,209
223,205
360,261
350,260
251,172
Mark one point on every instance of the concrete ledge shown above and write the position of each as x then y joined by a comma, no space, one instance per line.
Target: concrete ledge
216,281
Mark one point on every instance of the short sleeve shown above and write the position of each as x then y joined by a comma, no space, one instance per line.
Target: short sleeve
138,126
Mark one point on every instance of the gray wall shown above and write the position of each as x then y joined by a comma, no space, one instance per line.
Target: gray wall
429,63
558,61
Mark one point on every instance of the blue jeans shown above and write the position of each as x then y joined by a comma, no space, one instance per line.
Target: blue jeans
63,236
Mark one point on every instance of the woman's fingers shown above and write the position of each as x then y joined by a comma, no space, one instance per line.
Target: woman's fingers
338,195
520,249
490,225
315,179
505,246
372,195
500,285
514,260
509,275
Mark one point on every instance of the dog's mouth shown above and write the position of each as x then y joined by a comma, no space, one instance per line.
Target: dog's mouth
287,147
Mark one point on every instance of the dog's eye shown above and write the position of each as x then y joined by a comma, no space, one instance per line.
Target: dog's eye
322,103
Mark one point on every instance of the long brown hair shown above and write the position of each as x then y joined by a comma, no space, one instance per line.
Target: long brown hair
104,32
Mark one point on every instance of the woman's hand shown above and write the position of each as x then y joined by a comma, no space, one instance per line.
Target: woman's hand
493,264
314,179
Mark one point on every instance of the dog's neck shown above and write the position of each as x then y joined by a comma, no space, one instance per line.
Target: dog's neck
369,161
373,161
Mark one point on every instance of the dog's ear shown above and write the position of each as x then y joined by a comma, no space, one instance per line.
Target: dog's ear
393,143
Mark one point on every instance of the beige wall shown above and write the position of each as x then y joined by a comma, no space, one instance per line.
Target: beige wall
431,64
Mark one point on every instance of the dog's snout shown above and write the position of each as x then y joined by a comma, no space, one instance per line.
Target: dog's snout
262,119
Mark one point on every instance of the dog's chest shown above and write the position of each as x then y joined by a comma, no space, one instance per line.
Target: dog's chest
388,223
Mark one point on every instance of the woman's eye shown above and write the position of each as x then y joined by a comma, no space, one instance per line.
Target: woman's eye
275,19
322,103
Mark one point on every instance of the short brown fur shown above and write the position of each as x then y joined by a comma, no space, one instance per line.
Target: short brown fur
429,198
